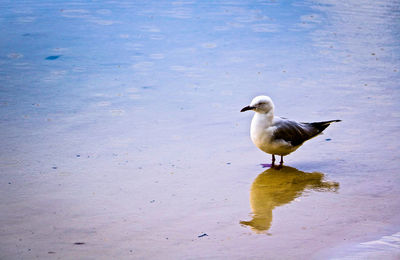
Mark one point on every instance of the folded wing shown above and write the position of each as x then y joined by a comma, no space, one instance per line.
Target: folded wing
297,133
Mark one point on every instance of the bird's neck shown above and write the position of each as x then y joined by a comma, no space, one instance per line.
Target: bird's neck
264,118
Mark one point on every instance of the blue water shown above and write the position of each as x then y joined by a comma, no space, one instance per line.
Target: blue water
116,114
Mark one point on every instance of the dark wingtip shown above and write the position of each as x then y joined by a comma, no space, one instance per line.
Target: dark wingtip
322,125
330,121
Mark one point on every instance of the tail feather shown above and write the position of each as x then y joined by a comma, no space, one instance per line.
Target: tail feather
322,125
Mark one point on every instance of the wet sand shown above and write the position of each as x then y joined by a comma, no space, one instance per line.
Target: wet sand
121,135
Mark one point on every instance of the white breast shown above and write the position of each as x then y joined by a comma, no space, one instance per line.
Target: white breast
261,133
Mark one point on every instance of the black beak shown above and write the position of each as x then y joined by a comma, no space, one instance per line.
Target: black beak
247,108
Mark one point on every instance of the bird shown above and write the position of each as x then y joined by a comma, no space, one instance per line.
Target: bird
278,135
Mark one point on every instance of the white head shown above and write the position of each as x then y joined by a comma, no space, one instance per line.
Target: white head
260,104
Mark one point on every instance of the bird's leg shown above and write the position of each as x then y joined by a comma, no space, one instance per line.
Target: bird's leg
272,165
280,163
273,161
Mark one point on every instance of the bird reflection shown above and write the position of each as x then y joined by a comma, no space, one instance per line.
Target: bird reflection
274,188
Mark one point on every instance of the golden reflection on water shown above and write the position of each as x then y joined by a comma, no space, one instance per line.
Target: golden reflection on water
273,188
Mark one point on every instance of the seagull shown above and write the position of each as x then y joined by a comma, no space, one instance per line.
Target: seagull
277,135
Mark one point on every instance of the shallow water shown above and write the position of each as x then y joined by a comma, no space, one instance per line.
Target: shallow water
274,188
121,135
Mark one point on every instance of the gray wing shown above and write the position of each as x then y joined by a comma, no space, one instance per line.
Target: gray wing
293,132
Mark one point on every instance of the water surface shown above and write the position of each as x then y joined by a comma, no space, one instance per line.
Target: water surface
121,135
